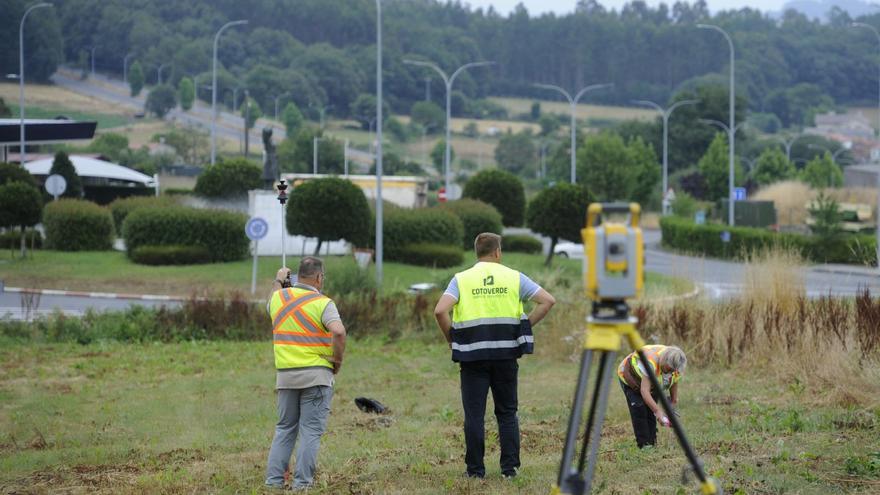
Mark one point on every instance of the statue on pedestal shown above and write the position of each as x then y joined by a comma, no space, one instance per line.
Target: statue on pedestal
270,161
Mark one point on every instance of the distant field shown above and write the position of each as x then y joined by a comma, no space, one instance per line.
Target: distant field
49,96
517,106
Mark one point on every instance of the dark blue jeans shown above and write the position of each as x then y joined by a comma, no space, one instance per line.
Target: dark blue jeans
477,378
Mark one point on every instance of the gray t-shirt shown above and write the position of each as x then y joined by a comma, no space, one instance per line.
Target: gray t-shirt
297,378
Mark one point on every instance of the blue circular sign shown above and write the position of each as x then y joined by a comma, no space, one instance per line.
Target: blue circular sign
256,228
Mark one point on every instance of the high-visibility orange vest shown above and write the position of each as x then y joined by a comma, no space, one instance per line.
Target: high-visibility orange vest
300,339
631,365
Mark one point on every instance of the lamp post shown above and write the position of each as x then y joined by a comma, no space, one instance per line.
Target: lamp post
666,113
877,35
277,99
214,89
731,135
315,142
731,114
235,99
125,68
321,111
92,50
788,143
573,101
379,220
159,73
21,75
448,80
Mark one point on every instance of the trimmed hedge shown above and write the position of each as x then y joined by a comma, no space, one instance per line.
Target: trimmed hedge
686,236
121,207
433,255
220,232
77,225
476,217
502,190
403,227
11,239
171,255
521,244
229,178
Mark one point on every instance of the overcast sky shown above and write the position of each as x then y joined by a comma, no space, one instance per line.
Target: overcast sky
565,6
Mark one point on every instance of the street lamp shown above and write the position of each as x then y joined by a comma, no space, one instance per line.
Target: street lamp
731,135
214,90
235,99
315,142
731,112
277,99
125,67
379,219
93,60
448,80
877,35
321,111
573,101
666,114
159,72
788,143
21,74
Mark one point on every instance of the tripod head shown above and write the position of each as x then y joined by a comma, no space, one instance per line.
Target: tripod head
614,254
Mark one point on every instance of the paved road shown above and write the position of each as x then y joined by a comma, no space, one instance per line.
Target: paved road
13,305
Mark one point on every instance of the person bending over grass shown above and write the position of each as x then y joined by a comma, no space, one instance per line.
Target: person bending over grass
668,363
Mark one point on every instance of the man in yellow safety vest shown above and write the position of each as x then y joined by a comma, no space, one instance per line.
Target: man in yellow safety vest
488,331
309,343
668,363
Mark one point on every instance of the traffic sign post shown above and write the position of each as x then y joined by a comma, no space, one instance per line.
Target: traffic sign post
441,194
739,194
56,185
256,228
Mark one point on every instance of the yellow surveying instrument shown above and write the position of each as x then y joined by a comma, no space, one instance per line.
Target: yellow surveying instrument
614,272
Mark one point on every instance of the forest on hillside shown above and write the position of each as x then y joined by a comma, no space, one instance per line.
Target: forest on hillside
323,51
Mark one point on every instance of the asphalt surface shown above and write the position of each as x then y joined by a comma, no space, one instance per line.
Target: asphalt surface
14,305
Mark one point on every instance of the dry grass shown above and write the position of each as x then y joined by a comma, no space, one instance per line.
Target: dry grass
516,106
44,95
791,198
773,276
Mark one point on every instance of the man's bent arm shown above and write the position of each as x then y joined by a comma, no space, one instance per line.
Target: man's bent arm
441,313
543,302
337,331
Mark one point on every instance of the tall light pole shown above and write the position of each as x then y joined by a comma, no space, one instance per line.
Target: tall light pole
788,143
731,136
315,141
379,220
666,114
235,99
125,67
731,113
277,99
159,72
448,80
573,101
877,35
214,90
93,59
321,111
21,75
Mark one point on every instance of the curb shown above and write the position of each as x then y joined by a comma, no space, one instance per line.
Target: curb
690,295
845,272
96,295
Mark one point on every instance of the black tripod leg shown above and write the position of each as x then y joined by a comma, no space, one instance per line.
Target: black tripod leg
673,420
574,420
597,418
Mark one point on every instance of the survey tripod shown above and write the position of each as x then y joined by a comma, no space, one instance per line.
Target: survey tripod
614,272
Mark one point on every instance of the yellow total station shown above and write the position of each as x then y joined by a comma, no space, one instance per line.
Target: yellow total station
614,253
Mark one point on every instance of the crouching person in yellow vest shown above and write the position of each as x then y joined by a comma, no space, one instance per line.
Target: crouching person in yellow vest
668,363
309,342
488,331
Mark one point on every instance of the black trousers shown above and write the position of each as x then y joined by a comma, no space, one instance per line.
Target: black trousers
643,420
477,378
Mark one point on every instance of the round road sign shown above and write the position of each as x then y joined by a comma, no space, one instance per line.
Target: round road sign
256,228
56,185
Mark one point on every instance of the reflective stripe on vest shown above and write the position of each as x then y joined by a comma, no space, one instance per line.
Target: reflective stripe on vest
300,339
488,320
630,365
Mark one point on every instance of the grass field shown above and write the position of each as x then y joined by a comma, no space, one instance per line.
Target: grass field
517,106
112,271
198,417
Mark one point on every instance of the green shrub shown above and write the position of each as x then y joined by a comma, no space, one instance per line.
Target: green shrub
329,209
433,255
220,232
77,225
229,178
502,190
686,236
121,207
403,227
170,255
685,206
12,172
349,279
476,217
521,244
11,239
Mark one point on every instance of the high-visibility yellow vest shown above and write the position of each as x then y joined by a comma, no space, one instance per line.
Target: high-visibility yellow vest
300,339
630,366
488,320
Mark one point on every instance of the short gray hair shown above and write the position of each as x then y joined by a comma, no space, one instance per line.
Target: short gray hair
674,358
310,267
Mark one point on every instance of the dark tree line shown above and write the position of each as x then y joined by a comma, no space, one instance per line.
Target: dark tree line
322,51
